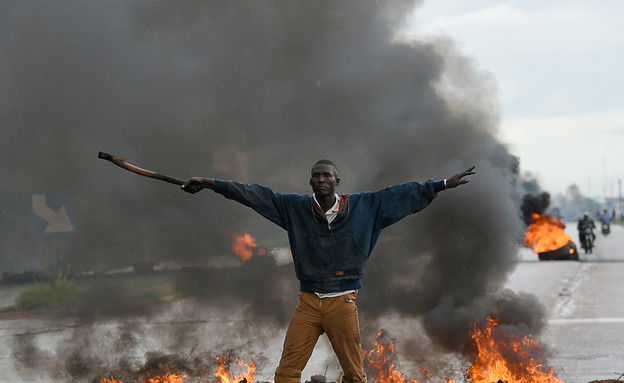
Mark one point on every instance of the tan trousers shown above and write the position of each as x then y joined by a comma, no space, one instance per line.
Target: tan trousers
314,316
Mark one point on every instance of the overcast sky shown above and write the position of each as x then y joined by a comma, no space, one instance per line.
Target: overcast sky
558,65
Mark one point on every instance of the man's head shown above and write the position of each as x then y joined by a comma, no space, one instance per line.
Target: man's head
324,178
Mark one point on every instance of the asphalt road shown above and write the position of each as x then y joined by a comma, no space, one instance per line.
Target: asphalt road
585,302
585,334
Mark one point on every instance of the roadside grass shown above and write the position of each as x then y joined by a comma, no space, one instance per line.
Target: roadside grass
45,295
73,296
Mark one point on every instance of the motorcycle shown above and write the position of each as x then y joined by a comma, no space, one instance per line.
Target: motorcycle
588,240
605,229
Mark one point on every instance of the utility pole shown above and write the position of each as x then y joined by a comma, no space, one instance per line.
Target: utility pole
620,197
605,181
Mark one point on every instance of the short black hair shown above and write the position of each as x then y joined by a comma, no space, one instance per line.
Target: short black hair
327,162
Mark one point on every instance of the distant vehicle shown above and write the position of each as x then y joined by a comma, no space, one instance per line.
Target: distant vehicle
605,228
565,253
605,220
586,233
588,239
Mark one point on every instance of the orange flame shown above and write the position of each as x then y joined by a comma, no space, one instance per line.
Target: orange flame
377,359
244,245
546,234
507,357
224,374
502,356
111,380
166,378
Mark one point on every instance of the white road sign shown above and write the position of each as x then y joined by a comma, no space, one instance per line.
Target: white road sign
52,213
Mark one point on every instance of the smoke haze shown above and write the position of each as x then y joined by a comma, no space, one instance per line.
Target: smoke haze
255,92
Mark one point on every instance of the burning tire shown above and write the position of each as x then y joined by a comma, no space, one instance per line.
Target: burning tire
565,253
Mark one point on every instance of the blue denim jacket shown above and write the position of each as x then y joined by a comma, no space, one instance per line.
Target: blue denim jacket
332,257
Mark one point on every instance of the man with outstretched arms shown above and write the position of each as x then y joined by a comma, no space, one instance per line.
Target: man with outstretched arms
331,238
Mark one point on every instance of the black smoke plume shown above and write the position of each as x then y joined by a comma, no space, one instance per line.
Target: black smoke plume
534,203
256,92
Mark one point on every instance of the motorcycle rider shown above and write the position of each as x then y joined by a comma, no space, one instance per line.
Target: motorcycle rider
605,219
583,224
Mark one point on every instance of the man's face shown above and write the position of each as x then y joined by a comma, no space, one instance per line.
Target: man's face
324,180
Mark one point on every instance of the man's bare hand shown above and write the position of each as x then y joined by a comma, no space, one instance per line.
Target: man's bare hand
458,179
197,184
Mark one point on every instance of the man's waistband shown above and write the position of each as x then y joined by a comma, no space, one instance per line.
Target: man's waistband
335,286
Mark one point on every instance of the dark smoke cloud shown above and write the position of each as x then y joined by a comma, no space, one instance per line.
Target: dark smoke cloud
534,203
255,92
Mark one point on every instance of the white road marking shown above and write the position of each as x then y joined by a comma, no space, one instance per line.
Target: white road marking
585,320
